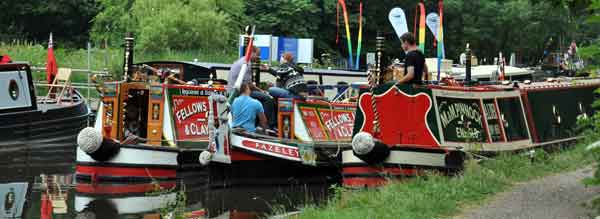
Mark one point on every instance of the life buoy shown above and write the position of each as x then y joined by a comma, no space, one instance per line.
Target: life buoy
368,149
92,143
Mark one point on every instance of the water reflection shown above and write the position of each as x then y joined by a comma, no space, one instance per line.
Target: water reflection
47,189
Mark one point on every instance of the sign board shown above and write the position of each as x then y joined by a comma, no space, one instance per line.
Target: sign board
272,47
263,42
328,123
189,107
461,119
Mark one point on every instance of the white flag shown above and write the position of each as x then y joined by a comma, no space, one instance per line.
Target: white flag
433,23
398,20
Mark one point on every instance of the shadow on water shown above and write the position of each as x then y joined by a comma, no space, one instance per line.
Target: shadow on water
40,184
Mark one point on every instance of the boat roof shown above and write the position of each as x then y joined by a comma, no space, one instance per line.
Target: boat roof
486,71
13,65
307,70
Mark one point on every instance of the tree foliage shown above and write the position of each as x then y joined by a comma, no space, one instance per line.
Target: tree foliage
33,20
490,26
592,52
164,24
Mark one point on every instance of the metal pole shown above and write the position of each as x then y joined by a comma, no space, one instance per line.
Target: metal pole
89,67
468,66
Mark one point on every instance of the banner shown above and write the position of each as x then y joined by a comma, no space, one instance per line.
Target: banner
397,18
339,124
191,117
433,23
190,108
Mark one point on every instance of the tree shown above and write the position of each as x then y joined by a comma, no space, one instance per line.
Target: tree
163,24
591,53
34,20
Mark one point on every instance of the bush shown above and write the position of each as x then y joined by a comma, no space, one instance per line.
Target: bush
160,25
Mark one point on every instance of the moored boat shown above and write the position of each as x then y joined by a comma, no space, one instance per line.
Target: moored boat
168,115
403,130
49,123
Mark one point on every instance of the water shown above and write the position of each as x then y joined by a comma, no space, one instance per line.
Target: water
36,184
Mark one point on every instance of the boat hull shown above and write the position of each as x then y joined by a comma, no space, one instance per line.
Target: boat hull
132,163
49,131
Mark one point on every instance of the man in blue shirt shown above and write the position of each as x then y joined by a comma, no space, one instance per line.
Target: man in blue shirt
245,109
267,101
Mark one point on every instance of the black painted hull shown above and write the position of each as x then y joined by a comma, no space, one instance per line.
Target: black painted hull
39,135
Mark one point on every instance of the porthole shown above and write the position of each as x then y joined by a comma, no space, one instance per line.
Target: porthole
13,89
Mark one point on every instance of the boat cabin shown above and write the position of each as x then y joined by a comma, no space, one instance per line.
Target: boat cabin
18,92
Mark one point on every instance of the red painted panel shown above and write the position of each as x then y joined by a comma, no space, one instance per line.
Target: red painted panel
338,123
371,170
97,171
364,182
191,117
402,118
313,123
122,189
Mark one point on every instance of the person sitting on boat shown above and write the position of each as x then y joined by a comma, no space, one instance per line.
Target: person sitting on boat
290,79
414,64
267,101
246,109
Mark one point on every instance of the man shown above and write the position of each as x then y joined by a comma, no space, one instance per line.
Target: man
245,110
290,79
414,64
267,101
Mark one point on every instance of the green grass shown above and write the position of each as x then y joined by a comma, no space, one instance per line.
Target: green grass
110,59
435,196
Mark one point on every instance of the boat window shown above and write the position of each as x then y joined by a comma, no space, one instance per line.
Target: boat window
461,119
13,90
511,114
493,120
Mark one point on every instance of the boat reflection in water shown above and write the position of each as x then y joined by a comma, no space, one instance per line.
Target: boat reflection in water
12,197
45,187
189,198
59,196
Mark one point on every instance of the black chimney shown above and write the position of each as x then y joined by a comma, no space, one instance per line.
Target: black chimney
468,66
128,57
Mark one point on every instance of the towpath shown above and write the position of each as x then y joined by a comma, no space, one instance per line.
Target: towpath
558,196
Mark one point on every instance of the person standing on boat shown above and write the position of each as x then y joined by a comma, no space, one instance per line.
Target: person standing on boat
414,63
265,99
290,79
246,109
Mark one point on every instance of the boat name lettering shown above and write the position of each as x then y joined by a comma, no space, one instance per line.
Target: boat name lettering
338,120
190,110
341,124
457,111
193,129
288,152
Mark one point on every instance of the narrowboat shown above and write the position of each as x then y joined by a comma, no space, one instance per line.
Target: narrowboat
50,123
403,130
167,115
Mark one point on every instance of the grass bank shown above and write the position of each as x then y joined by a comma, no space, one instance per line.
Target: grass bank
110,59
436,196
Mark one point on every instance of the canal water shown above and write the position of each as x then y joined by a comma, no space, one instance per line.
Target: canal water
39,182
